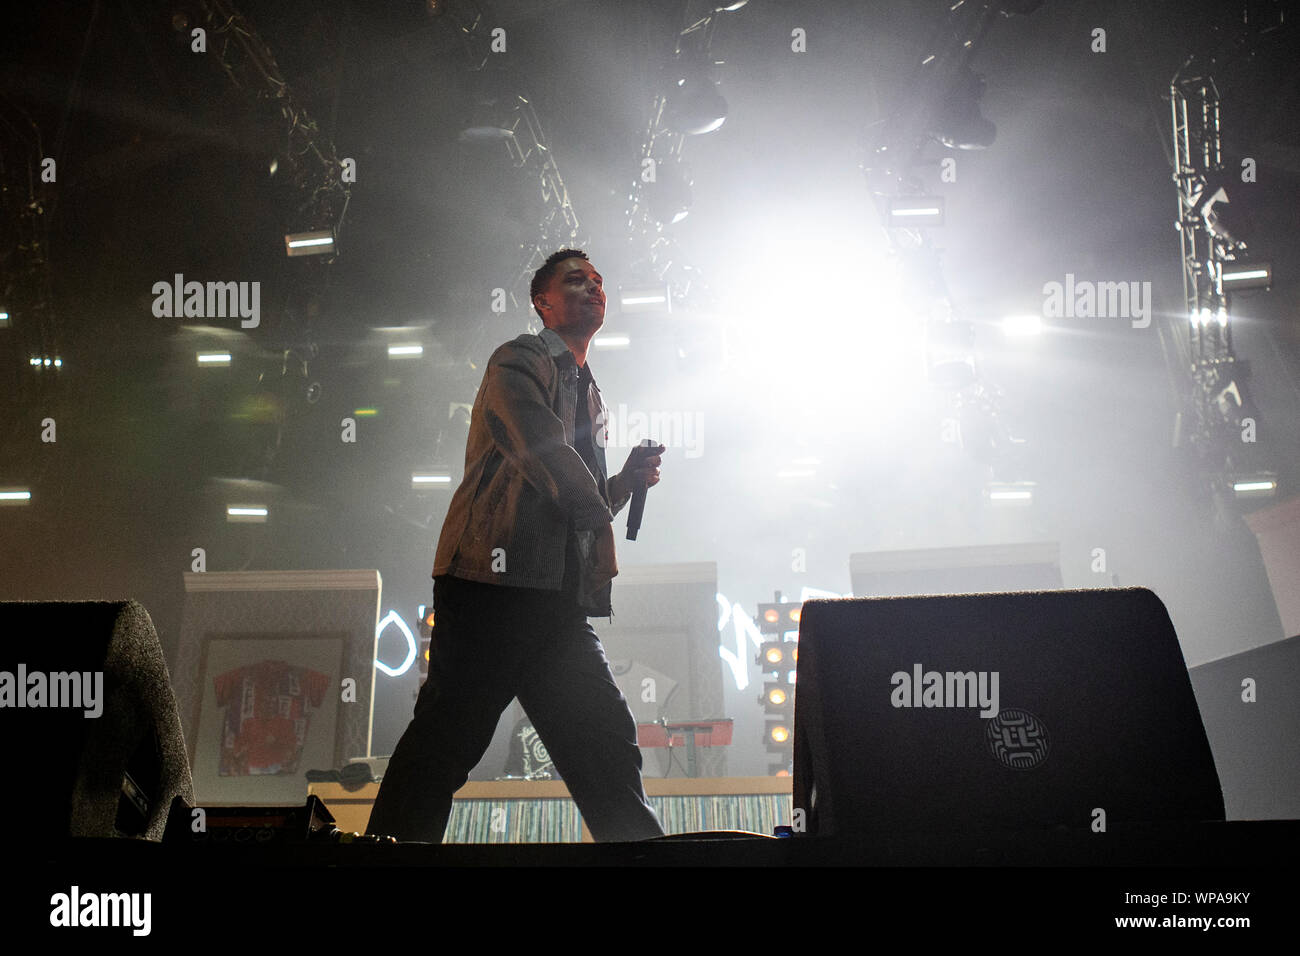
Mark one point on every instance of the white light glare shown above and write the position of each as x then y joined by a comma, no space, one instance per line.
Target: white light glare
417,480
214,358
1022,325
13,495
1246,486
402,351
611,341
255,514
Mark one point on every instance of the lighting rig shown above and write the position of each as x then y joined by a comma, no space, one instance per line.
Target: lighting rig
314,167
688,104
944,110
1219,419
778,659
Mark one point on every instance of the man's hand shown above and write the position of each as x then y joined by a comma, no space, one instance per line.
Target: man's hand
642,472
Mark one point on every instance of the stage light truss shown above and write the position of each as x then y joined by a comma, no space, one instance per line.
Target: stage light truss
559,226
908,209
1204,336
656,256
315,169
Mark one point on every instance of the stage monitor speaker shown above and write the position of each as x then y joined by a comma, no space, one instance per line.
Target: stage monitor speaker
996,712
92,734
1251,709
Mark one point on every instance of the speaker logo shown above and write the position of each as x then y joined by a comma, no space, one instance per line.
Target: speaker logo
1017,739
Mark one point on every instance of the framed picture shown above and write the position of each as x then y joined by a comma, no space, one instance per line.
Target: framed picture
268,712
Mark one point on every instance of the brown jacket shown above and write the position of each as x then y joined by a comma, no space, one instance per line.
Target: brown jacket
525,488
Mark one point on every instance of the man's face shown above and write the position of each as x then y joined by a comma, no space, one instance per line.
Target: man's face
574,299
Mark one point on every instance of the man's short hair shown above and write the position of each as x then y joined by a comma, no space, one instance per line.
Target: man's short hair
543,275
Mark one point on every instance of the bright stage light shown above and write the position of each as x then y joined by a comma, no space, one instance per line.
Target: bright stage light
1247,275
1018,326
1263,485
209,359
247,514
1010,493
405,351
314,243
915,211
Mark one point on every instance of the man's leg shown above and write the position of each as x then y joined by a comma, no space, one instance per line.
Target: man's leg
473,666
589,732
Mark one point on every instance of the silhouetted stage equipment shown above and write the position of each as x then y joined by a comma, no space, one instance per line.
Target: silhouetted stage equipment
691,734
310,823
997,712
1250,703
111,775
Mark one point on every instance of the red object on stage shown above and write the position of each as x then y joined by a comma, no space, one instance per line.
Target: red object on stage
707,733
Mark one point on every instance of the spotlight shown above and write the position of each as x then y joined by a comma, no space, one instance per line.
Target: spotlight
772,655
15,496
656,298
958,123
247,514
778,735
694,106
669,196
779,618
209,359
907,211
611,342
1255,485
405,351
490,120
317,243
1022,326
1221,218
4,319
422,481
1240,274
1014,493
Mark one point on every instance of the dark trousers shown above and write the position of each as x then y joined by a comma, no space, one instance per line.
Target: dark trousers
490,644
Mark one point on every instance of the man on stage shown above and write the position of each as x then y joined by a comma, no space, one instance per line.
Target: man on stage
526,555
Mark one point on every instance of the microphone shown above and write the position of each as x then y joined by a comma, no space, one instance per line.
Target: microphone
638,495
